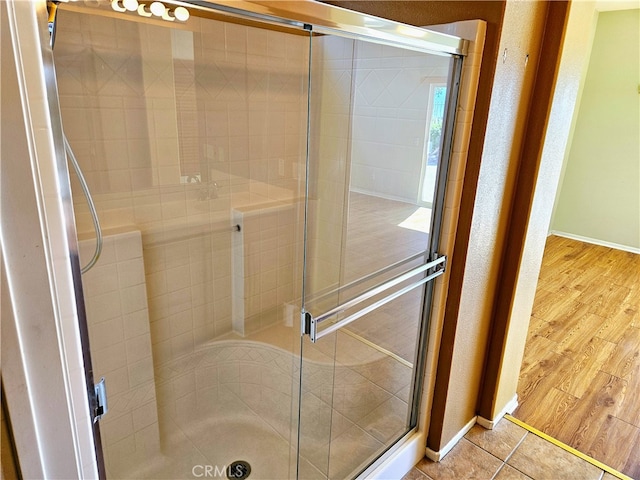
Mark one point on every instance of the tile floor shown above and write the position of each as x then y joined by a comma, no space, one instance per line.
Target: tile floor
509,452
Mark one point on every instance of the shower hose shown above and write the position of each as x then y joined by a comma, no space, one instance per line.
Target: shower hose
92,207
52,7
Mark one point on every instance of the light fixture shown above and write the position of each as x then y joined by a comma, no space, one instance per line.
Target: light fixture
131,5
168,16
156,8
143,12
181,14
117,6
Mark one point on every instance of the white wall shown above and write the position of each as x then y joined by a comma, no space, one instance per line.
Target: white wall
599,197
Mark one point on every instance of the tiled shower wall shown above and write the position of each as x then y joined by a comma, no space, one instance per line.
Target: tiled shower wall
390,118
118,322
163,122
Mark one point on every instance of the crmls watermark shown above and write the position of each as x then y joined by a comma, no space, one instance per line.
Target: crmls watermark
239,470
209,471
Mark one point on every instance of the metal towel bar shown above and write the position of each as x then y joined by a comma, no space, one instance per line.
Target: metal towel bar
310,323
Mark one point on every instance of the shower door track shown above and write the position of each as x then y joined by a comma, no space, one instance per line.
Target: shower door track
328,19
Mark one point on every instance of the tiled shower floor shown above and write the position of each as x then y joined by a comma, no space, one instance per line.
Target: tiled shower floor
233,400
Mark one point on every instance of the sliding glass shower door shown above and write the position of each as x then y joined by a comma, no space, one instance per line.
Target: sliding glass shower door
262,297
369,254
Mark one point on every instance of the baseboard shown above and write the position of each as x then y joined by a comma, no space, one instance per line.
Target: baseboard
440,454
508,408
372,193
595,241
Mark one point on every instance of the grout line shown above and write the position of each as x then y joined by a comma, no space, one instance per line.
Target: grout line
516,447
499,470
569,449
505,461
514,451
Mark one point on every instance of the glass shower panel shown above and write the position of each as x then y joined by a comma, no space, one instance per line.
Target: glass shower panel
356,394
375,140
373,152
192,138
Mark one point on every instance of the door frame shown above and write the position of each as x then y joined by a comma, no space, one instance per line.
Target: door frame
44,293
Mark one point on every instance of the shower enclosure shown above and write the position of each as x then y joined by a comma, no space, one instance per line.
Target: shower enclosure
269,179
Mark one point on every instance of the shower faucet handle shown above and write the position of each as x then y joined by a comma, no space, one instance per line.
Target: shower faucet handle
210,191
190,179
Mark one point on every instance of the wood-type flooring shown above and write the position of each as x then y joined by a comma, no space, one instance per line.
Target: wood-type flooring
580,378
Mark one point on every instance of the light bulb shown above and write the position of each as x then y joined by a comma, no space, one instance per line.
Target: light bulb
157,8
131,5
115,4
142,11
181,14
168,16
